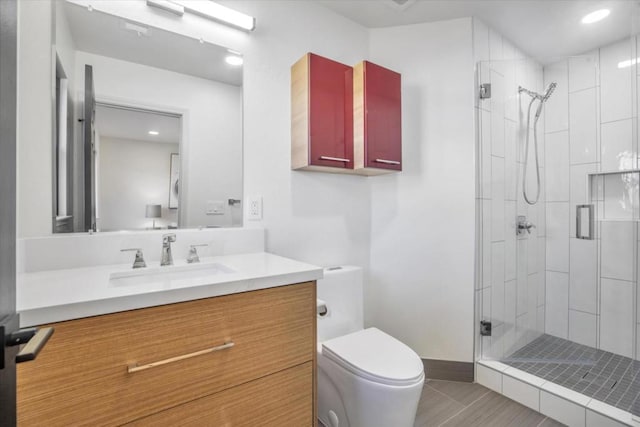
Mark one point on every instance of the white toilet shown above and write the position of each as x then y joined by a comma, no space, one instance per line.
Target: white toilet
366,378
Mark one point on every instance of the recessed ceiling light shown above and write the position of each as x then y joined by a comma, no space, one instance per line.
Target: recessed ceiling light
596,16
154,132
234,60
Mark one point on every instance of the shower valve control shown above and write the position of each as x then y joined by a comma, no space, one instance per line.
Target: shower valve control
522,225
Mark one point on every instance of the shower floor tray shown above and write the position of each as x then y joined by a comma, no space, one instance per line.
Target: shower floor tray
599,374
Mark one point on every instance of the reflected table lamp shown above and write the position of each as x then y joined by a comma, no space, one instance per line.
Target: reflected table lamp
154,211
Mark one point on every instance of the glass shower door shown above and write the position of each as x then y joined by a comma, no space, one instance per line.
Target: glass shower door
614,197
511,277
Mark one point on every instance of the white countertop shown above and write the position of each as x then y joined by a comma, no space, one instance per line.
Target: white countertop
58,295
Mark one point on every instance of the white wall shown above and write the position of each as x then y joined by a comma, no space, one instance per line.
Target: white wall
421,277
64,44
212,118
35,118
132,175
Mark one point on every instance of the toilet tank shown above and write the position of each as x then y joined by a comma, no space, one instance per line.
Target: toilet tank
341,289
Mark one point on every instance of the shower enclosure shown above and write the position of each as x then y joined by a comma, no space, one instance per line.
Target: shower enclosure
557,293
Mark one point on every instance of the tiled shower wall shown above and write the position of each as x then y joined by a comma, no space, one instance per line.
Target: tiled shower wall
591,126
510,270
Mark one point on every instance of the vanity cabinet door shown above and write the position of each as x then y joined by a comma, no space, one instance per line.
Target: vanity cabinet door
91,372
321,113
283,399
377,119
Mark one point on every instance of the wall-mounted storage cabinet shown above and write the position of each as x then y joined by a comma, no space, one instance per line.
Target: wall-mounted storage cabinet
321,114
377,130
344,119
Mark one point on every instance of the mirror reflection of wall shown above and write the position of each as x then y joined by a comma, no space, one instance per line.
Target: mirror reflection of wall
63,152
136,66
134,152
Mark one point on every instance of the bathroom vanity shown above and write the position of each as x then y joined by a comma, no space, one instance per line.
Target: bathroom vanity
241,356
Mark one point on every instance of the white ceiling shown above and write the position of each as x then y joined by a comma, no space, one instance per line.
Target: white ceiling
544,29
135,125
106,35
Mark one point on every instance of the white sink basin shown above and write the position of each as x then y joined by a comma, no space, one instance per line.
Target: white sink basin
172,273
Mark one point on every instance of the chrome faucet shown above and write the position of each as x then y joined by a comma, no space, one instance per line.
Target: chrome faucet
166,258
193,253
139,261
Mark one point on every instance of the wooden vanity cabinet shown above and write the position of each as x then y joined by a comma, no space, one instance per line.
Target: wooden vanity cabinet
235,360
321,114
377,129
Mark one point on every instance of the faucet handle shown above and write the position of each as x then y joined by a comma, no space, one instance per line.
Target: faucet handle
193,253
168,238
139,261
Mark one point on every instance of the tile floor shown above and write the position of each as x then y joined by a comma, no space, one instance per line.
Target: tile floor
449,404
599,374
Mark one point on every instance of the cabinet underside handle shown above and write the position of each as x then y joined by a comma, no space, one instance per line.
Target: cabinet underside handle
335,159
136,368
388,162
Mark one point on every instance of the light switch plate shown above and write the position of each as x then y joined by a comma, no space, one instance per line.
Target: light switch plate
254,208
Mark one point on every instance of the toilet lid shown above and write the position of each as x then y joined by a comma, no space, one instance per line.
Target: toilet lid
374,355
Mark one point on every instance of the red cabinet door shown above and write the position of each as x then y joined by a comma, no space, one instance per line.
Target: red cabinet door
330,113
382,118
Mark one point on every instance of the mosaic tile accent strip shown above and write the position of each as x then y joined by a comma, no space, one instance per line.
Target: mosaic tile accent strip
599,374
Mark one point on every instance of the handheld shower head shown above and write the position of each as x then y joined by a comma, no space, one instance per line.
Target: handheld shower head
549,91
536,95
543,98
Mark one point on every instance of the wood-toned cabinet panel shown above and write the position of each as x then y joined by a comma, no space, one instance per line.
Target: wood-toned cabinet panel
345,119
321,113
82,377
283,399
378,117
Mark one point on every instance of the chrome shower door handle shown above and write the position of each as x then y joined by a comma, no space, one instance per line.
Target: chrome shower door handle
584,228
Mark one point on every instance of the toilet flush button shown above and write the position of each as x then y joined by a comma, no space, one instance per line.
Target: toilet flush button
333,419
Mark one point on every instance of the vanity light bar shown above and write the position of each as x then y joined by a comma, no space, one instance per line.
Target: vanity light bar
217,12
167,5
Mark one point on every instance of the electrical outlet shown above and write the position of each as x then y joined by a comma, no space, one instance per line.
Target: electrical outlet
254,208
214,208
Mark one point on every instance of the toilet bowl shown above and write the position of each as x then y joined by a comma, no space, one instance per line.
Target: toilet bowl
365,376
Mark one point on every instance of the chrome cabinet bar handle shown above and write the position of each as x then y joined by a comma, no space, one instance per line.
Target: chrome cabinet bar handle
388,162
335,159
137,368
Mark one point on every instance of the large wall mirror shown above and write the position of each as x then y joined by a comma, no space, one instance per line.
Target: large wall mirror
147,126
